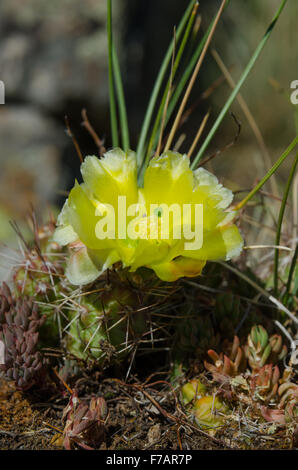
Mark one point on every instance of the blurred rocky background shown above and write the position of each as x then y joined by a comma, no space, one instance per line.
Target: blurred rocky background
53,61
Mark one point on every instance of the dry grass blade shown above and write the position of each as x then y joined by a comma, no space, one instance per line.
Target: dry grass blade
198,135
75,143
168,97
98,142
193,78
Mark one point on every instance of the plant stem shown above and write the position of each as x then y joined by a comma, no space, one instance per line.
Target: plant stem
166,104
187,72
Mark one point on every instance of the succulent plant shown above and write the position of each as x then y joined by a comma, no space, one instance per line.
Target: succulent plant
288,393
203,407
102,320
261,349
226,366
278,349
273,415
209,410
19,325
84,422
264,383
287,410
40,266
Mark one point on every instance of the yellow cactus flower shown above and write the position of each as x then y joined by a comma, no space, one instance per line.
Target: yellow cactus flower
108,218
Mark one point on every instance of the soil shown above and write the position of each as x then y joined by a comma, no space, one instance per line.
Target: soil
141,416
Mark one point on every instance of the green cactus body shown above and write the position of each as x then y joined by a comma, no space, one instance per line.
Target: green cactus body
46,289
105,324
227,313
195,335
41,277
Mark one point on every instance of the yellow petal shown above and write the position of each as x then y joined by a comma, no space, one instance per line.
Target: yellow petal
168,179
80,269
112,176
207,189
149,251
85,265
177,268
64,233
221,243
81,215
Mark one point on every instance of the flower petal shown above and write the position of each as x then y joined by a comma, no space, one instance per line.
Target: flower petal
149,251
64,233
82,215
80,269
221,243
207,189
177,268
84,266
112,176
168,179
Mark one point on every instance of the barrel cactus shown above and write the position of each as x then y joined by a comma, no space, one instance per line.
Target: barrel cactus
40,275
105,323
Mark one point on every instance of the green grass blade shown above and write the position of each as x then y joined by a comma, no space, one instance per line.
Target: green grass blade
187,73
279,223
176,65
113,112
157,86
291,273
154,134
121,101
176,95
188,70
268,174
238,86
